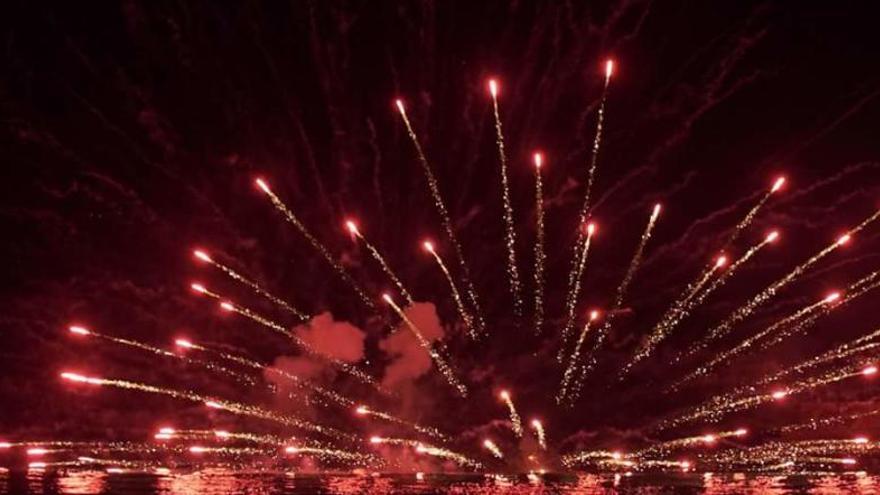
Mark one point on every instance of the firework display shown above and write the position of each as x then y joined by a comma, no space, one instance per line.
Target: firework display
337,399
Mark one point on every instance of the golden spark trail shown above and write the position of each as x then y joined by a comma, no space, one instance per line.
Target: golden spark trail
540,256
572,361
574,290
353,229
205,257
293,220
762,297
435,356
491,447
444,216
424,448
576,271
715,285
228,406
515,421
427,430
366,459
816,423
459,304
714,410
665,448
688,300
854,291
621,291
749,342
242,378
229,435
510,234
539,433
300,382
661,330
305,346
750,216
583,456
857,346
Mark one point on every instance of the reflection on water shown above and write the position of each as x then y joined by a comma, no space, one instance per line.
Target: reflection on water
217,481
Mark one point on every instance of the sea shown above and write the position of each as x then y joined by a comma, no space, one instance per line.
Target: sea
223,481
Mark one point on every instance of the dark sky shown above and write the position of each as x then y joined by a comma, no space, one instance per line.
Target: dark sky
132,131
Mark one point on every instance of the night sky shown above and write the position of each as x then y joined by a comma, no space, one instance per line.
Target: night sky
132,132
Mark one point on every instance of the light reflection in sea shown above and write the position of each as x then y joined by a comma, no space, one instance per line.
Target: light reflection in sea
211,481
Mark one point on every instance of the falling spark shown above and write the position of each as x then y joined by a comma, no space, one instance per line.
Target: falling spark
459,303
276,327
717,284
574,289
510,234
355,231
515,422
588,456
718,407
602,332
765,295
295,379
753,212
427,449
540,256
539,433
576,271
751,341
573,359
205,257
365,459
212,367
670,446
427,430
229,406
673,314
491,447
435,356
293,220
444,216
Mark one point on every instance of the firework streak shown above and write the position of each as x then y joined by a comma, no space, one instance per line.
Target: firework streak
574,290
674,313
491,447
203,256
510,234
540,257
444,216
245,379
296,380
789,320
459,303
353,229
229,406
688,299
515,421
719,407
276,327
572,363
539,433
602,332
765,295
427,430
293,220
424,448
579,251
791,325
435,356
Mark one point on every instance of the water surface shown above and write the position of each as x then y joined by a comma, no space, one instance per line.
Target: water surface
216,481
